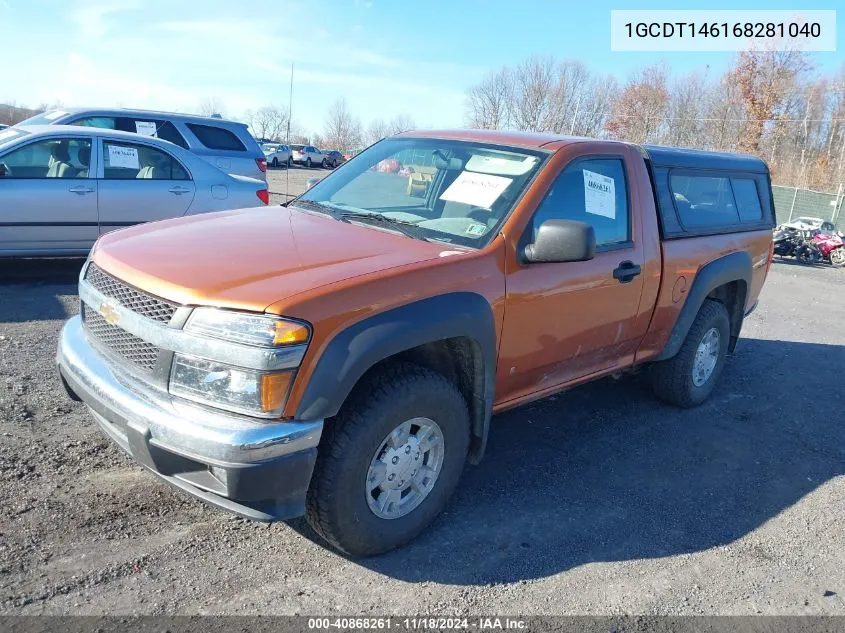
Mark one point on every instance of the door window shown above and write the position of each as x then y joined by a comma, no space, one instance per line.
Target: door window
53,158
592,191
128,161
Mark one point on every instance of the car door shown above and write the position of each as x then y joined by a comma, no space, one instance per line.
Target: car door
566,321
140,182
49,196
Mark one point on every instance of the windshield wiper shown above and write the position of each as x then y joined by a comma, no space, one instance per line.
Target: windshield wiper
314,206
378,218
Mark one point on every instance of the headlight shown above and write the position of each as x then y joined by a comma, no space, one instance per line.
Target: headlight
253,329
255,393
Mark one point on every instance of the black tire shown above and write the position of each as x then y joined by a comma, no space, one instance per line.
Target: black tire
337,507
308,162
672,379
325,164
290,162
276,163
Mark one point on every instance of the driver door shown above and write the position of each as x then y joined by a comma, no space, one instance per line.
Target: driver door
49,197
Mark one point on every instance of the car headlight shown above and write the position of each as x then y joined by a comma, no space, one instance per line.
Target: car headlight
252,329
247,391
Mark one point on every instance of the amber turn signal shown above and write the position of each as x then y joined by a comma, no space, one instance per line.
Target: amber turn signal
274,390
290,333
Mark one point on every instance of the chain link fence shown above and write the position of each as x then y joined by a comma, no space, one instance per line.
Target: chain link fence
793,202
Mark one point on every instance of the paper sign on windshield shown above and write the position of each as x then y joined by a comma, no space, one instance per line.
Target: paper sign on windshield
126,157
147,128
479,190
8,134
52,116
599,194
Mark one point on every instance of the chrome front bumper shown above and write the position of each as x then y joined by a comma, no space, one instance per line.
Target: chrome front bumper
256,469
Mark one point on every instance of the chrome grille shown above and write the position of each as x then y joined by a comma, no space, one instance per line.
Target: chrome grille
135,300
118,341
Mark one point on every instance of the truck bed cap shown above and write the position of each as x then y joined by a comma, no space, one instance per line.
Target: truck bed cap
661,156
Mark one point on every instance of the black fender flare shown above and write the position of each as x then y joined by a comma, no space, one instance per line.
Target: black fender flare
353,351
724,270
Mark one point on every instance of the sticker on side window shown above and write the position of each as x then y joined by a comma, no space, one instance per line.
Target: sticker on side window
476,189
599,195
147,128
54,115
126,157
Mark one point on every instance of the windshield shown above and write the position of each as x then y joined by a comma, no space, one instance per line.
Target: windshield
10,134
45,118
458,192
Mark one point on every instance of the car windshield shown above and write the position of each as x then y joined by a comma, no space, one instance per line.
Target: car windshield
45,118
8,135
457,192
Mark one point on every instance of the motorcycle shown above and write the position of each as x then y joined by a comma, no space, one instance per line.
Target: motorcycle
831,247
786,240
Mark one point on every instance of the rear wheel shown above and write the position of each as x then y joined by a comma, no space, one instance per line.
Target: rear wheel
308,162
837,256
688,378
325,164
389,461
290,162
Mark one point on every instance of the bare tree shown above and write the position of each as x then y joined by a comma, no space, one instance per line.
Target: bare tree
685,110
210,106
401,123
342,131
640,110
376,130
488,104
268,122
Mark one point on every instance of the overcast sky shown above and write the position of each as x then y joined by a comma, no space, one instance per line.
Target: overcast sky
385,57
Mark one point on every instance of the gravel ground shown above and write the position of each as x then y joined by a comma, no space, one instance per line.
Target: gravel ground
292,181
597,501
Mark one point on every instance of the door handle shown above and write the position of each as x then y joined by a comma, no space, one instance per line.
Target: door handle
81,190
178,190
626,271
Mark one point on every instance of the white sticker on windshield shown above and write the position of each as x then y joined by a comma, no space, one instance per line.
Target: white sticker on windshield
54,115
476,229
147,128
126,157
599,194
8,134
479,190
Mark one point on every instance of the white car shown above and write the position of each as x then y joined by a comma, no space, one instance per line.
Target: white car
277,155
808,224
307,155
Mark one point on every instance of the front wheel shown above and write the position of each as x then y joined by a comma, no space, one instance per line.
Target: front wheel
290,162
389,461
275,163
837,256
689,377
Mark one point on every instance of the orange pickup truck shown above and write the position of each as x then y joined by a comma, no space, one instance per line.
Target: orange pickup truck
341,356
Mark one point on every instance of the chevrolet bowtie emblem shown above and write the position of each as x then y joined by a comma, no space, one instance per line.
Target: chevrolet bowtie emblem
110,313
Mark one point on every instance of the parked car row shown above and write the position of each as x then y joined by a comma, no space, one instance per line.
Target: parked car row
279,155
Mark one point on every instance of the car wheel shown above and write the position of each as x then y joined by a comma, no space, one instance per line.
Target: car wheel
308,162
334,164
276,163
325,164
837,256
688,378
290,162
389,461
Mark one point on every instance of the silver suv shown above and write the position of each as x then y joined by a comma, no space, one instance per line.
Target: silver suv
227,145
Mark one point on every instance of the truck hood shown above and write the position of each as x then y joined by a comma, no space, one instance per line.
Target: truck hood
251,258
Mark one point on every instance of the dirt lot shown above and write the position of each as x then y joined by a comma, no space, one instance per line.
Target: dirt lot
292,182
598,501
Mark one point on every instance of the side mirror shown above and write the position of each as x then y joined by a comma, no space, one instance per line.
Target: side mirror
562,241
